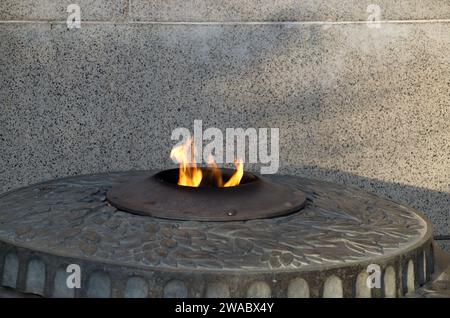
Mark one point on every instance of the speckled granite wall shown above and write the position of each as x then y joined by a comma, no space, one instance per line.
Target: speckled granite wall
355,105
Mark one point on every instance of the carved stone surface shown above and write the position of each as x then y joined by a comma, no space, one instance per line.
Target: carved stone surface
340,231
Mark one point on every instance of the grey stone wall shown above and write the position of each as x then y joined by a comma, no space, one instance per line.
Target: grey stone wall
356,105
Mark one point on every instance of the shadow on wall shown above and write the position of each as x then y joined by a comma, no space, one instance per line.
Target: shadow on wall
317,86
434,204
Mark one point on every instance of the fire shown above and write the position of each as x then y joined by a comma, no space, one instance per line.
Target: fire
191,176
237,176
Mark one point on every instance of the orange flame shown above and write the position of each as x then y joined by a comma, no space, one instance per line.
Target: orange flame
191,176
237,176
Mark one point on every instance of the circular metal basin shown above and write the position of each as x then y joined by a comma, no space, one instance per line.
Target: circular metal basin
161,196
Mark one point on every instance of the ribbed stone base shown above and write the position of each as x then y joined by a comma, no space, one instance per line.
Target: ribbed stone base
327,250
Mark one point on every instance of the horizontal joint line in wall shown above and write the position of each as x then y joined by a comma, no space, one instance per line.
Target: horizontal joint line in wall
227,22
442,237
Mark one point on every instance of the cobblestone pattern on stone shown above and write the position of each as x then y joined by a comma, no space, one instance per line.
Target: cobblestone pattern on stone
69,220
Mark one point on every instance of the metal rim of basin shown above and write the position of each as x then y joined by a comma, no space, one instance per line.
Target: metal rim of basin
160,196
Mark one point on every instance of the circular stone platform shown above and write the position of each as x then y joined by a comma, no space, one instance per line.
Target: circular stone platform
322,251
